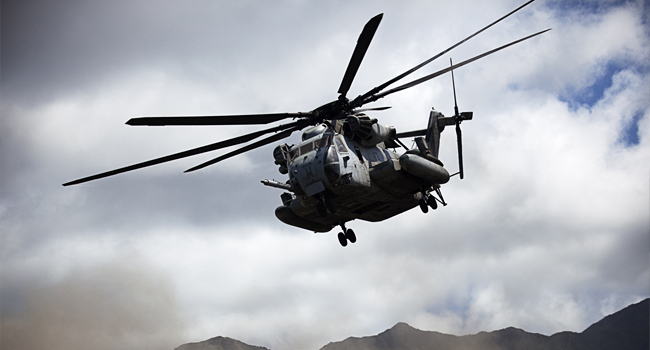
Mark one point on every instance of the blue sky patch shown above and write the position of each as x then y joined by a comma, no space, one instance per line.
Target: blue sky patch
565,9
630,133
588,96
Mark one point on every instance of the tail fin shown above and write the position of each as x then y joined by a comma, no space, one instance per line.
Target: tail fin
433,132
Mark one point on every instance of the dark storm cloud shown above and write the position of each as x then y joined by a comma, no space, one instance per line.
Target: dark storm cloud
51,49
69,46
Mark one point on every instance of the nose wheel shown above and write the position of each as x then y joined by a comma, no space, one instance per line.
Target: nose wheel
346,235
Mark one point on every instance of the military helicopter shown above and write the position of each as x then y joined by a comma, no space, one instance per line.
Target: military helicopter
346,167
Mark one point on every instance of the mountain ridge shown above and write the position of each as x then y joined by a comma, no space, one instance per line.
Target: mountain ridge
220,343
626,329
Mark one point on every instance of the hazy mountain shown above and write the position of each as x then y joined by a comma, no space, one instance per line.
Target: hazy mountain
628,329
219,343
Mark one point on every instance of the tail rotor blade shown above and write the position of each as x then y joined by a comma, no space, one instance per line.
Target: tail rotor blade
458,119
359,51
453,85
459,139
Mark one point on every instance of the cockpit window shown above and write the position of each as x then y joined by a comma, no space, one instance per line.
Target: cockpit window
339,145
325,141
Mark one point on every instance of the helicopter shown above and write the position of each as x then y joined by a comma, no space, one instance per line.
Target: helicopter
346,165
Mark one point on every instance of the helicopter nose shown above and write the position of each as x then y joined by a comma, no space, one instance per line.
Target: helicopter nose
332,166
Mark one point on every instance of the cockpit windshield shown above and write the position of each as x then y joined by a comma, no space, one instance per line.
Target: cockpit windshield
310,145
339,145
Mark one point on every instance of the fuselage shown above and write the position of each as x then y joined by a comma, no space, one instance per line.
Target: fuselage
354,181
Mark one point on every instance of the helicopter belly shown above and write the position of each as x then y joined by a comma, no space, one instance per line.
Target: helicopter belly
354,202
286,215
374,208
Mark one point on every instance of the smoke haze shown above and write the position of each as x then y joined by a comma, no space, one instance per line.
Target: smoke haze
119,305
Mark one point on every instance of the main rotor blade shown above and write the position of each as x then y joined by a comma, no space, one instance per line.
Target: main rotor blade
359,51
245,119
188,153
399,77
371,109
443,71
247,148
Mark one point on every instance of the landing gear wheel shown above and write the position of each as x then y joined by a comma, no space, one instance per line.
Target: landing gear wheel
342,239
432,202
349,234
424,206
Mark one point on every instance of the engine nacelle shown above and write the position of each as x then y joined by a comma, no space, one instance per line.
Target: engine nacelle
280,155
423,168
314,131
367,131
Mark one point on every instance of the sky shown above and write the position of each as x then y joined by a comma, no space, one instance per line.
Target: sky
549,231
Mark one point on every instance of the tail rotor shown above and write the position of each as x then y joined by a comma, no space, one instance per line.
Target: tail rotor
458,118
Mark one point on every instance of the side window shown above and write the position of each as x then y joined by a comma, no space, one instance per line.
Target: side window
306,148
